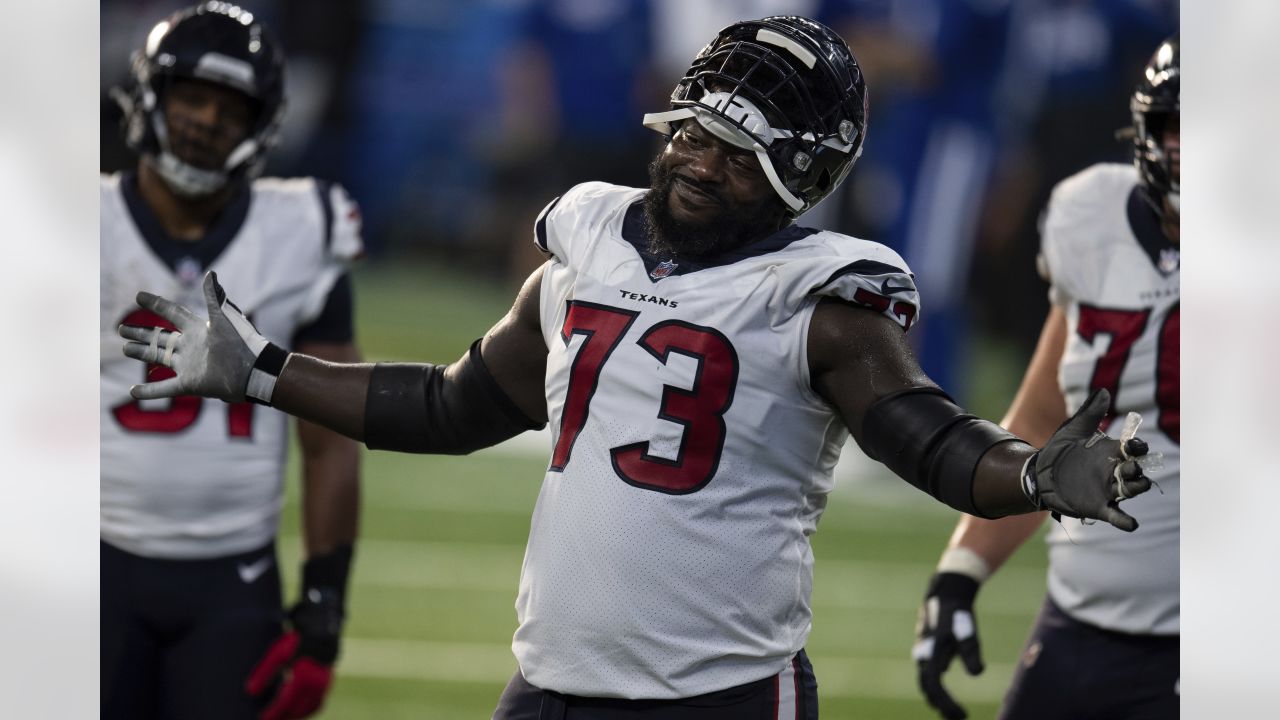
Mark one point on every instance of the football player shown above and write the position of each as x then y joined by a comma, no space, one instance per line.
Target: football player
701,360
191,487
1105,644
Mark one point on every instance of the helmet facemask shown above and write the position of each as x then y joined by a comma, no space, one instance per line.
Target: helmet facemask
1155,102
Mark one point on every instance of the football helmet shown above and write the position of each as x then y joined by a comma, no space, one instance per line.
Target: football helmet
786,88
215,42
1154,101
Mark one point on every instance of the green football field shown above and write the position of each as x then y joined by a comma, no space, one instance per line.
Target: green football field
431,608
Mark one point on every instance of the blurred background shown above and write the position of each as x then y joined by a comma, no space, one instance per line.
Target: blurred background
454,123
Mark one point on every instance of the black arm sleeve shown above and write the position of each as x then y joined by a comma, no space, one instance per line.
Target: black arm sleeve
931,442
412,408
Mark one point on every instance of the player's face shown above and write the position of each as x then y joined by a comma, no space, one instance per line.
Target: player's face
205,121
710,176
707,195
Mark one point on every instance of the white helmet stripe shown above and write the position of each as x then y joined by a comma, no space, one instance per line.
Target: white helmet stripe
782,41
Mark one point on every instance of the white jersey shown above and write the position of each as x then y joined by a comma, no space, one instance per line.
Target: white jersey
1117,278
188,477
669,552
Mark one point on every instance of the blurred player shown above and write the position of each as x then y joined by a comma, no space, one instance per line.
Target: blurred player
700,357
192,488
1106,642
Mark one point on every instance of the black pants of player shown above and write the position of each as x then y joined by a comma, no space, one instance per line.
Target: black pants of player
179,637
1071,670
790,695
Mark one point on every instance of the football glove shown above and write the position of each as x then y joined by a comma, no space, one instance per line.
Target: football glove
947,627
1084,473
300,662
223,357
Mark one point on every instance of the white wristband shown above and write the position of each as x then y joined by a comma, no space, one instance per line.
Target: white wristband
964,561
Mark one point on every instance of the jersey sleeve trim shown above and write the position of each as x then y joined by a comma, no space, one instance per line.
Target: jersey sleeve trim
861,267
540,227
323,187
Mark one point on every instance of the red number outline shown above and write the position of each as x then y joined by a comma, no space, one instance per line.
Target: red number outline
603,327
1125,328
700,410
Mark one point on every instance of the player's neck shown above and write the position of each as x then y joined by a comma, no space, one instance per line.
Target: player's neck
181,217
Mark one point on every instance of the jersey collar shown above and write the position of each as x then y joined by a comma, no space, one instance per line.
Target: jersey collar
1145,224
185,258
635,230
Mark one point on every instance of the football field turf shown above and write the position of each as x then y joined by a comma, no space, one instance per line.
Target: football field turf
442,538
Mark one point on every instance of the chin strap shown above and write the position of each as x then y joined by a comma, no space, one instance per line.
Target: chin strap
185,178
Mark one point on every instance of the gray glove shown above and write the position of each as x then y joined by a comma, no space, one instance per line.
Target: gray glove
1082,472
223,357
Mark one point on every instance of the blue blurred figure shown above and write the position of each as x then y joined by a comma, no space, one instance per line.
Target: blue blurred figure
933,68
424,94
578,86
1065,92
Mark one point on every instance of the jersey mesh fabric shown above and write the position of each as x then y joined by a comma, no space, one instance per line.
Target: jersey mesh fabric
669,551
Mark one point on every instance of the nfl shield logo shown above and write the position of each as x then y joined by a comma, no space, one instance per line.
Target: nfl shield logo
1170,260
664,269
189,270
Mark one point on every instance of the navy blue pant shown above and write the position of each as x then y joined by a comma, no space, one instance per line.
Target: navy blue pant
1073,670
179,637
767,699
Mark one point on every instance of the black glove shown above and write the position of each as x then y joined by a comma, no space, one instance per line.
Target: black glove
300,662
1084,473
946,627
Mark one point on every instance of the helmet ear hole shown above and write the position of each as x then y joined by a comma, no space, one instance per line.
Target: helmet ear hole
823,184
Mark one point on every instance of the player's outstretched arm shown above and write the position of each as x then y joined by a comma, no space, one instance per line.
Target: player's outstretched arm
860,362
410,407
947,624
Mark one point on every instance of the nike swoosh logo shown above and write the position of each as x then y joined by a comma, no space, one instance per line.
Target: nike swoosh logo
887,289
254,570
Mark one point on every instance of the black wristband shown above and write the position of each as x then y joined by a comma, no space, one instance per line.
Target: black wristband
1030,487
266,370
329,571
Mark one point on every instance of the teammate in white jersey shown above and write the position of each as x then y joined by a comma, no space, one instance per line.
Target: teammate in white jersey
701,359
1106,642
192,488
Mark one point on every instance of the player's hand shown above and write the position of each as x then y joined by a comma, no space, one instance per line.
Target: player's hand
1082,472
946,627
300,663
211,358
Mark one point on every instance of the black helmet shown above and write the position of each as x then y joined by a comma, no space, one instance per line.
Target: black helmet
215,42
1154,101
787,88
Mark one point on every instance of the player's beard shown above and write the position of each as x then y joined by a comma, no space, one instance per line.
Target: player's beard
731,227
